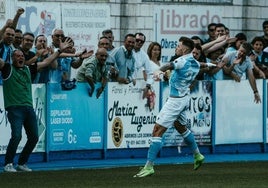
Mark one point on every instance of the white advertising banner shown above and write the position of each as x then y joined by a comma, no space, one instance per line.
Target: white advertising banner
39,104
130,117
199,115
40,18
172,22
238,119
82,22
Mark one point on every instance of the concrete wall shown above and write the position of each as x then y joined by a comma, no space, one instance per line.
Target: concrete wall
128,16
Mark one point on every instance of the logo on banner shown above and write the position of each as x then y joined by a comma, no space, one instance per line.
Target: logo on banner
176,22
117,131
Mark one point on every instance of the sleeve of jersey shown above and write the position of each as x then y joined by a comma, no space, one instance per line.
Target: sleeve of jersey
178,63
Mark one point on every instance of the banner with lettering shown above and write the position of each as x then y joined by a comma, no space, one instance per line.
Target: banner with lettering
199,115
172,22
75,120
39,104
130,115
83,22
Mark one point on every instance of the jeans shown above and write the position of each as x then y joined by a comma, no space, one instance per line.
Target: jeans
19,116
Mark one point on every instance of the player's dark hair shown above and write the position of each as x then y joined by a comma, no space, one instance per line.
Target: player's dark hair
187,42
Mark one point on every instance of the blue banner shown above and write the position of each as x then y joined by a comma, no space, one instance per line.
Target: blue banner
75,120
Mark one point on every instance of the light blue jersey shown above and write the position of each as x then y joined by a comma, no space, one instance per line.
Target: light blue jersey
185,70
64,65
239,69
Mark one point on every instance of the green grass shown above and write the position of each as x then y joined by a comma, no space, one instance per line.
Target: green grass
211,175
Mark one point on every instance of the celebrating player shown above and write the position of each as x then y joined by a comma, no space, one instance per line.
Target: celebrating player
173,113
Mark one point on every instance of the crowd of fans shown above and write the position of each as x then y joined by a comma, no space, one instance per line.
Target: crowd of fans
129,62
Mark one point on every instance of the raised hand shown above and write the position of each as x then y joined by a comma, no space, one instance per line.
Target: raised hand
20,11
231,40
86,54
67,43
237,60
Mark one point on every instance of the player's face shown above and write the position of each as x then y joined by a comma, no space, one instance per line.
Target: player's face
179,49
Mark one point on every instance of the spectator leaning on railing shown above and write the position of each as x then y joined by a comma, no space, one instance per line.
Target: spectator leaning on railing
94,70
237,63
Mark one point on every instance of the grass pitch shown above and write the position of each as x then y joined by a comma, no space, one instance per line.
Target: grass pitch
211,175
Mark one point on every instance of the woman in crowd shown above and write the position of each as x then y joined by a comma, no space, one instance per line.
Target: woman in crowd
154,53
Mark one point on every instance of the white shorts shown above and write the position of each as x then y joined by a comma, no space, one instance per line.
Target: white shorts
174,109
